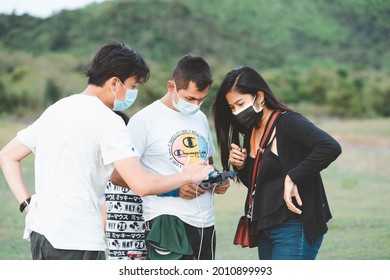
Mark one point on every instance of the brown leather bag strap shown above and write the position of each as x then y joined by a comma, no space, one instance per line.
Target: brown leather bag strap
263,142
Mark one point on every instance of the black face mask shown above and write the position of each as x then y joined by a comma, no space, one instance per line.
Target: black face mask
248,117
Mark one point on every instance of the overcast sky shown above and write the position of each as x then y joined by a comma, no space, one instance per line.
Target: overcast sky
41,8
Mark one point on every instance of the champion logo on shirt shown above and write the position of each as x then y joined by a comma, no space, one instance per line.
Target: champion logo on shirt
187,143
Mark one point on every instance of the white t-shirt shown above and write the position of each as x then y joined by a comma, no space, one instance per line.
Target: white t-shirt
75,142
164,139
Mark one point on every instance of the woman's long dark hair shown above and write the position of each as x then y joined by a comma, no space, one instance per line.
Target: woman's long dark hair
244,80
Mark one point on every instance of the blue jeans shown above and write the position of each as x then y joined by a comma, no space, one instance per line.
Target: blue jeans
287,241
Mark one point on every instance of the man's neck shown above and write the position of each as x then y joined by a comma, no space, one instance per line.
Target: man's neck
96,91
167,101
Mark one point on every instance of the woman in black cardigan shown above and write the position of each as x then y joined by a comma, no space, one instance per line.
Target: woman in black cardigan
290,210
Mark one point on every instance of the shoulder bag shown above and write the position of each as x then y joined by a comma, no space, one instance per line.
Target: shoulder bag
243,236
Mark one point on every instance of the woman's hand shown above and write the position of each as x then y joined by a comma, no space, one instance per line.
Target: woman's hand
290,191
237,156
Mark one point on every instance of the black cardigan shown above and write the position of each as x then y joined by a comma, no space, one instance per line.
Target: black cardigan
304,150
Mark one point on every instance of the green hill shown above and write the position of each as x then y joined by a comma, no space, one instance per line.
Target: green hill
276,36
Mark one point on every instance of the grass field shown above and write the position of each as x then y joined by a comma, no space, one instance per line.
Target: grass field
357,185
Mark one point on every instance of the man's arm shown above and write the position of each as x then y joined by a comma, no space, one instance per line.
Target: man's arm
104,215
117,179
191,191
188,191
143,183
10,162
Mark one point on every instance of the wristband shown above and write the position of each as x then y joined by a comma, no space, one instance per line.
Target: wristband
24,204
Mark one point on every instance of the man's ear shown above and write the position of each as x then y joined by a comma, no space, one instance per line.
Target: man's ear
171,86
112,82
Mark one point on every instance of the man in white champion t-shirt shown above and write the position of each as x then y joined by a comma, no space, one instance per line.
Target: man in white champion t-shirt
77,142
166,133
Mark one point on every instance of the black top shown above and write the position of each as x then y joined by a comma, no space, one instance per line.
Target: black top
303,151
269,205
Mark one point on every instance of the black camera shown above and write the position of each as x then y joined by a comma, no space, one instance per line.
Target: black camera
217,179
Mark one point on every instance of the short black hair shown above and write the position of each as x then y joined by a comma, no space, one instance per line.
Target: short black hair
192,68
116,59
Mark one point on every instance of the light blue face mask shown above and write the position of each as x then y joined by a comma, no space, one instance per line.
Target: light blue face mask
185,107
121,105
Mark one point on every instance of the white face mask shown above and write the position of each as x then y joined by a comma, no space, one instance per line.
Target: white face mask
185,107
247,106
131,95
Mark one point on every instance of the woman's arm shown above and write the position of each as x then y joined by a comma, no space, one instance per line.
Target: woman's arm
324,149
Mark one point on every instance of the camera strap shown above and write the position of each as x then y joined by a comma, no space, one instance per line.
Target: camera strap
269,127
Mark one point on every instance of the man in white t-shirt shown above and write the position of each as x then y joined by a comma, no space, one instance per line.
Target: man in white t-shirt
165,134
77,142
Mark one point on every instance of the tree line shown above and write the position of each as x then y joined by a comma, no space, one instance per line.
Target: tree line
332,55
